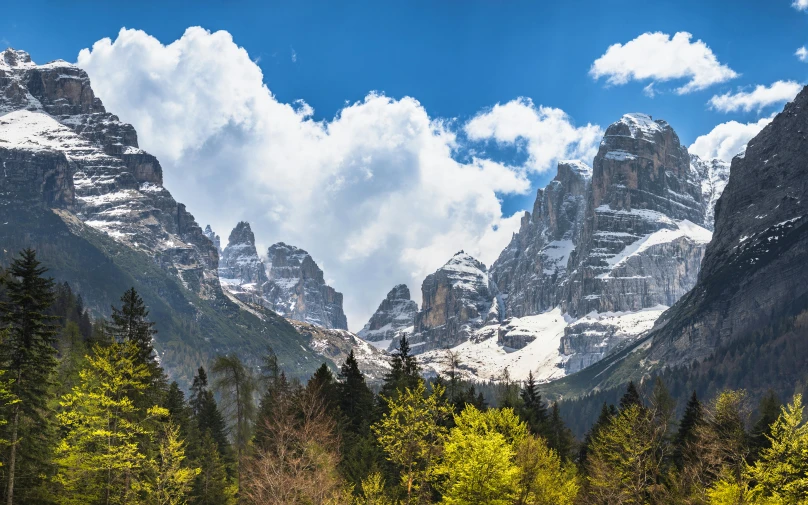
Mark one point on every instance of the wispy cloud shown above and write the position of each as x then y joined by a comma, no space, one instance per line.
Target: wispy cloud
802,54
757,99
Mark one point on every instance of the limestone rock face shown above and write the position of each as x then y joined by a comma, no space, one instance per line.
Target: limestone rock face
214,239
641,244
240,263
52,125
532,269
297,290
714,175
753,274
395,313
457,299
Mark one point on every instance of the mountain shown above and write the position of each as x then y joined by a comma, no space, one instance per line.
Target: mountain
215,240
396,313
743,323
457,299
78,189
714,175
603,254
297,290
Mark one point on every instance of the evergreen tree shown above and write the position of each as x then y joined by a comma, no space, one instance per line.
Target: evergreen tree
687,434
404,372
211,485
560,438
29,360
173,479
322,385
607,413
131,323
178,409
533,411
631,397
198,388
275,399
768,412
355,398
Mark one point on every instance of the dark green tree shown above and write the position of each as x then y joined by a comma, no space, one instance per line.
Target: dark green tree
533,410
631,397
404,372
355,398
767,413
29,359
687,434
559,436
607,413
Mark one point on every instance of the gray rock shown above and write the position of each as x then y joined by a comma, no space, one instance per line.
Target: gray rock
240,263
395,313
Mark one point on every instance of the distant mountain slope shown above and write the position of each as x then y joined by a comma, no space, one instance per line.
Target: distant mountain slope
77,188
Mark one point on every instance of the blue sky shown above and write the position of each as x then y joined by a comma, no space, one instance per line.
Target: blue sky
455,57
231,150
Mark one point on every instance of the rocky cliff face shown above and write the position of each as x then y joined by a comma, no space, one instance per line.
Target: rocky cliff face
532,270
51,111
396,313
240,263
753,272
297,290
714,175
457,299
214,239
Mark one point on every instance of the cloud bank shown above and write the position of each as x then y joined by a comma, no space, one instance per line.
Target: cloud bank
757,99
659,57
379,194
727,139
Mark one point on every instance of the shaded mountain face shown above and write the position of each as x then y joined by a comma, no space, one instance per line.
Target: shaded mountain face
240,263
396,313
753,285
77,188
297,290
714,175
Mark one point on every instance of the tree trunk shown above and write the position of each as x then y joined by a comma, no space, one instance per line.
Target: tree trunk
12,460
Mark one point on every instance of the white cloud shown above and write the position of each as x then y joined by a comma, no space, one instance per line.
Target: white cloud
800,5
376,194
802,53
727,139
757,99
548,134
660,57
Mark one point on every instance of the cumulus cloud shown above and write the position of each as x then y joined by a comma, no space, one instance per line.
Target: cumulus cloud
377,194
727,139
547,133
800,5
758,98
660,57
802,53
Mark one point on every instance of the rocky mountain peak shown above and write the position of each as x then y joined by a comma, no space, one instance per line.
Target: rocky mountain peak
16,58
215,239
240,263
714,174
297,290
395,313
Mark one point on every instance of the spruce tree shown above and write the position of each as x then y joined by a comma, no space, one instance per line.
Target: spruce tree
404,372
29,359
322,385
607,413
560,438
768,412
211,485
355,398
131,323
206,413
236,384
688,426
631,397
533,410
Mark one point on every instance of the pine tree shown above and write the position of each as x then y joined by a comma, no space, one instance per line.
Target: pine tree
533,410
198,387
404,372
178,409
277,395
323,385
211,486
355,398
131,323
560,437
29,359
768,412
607,413
687,434
631,397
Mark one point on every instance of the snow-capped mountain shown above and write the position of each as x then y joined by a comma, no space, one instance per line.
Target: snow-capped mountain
603,254
714,174
396,313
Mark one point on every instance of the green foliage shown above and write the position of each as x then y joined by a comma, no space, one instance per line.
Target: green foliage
544,479
411,434
172,481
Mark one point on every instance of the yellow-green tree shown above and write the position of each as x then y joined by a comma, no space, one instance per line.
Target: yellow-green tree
543,478
478,458
411,434
101,457
373,491
172,482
